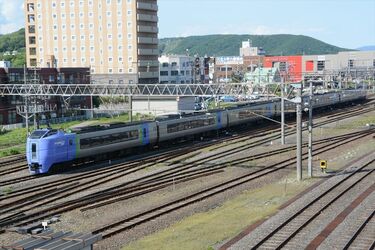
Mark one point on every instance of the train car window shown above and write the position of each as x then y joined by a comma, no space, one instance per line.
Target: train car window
70,142
144,132
109,139
37,134
173,128
51,132
245,114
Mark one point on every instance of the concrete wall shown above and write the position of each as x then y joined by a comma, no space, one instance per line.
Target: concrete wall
157,106
114,78
340,61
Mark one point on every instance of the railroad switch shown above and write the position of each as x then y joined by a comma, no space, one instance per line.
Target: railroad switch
323,165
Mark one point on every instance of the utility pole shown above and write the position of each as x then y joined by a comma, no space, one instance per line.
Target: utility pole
299,132
130,108
310,128
26,102
35,121
282,113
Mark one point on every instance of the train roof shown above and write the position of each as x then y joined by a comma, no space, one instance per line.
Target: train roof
176,116
106,126
248,104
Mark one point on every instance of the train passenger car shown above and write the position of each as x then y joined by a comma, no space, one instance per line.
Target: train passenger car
46,147
324,100
352,95
248,113
95,140
190,124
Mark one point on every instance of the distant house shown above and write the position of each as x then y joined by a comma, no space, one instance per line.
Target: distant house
5,64
176,69
263,75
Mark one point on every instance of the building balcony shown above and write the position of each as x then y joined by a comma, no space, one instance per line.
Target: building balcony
147,40
147,6
147,18
148,74
148,52
148,63
148,29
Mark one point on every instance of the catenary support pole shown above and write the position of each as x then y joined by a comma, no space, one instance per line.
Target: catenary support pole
309,166
26,103
35,121
282,113
131,108
299,133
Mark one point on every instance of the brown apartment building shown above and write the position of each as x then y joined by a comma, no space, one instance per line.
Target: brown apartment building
8,104
116,39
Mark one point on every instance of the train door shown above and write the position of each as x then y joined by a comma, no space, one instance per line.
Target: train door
145,134
269,110
71,148
219,121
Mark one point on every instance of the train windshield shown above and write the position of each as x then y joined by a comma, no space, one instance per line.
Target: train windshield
37,134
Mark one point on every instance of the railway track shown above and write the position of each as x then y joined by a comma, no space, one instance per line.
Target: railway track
14,168
206,167
364,234
122,225
11,159
77,185
225,142
282,235
112,170
140,186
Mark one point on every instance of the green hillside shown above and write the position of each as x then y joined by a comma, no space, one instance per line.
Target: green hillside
10,42
211,45
228,45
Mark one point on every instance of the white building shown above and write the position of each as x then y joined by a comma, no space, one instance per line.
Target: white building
5,64
248,50
176,69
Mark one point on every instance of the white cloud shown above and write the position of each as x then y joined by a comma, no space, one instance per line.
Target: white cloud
9,9
8,28
11,15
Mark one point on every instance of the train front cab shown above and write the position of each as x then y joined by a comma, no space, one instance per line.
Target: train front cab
33,152
47,147
32,155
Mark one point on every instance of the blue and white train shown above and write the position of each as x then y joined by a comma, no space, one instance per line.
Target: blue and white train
48,147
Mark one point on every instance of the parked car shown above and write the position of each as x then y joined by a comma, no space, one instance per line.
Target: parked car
228,98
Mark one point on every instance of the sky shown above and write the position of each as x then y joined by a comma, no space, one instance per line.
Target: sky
344,23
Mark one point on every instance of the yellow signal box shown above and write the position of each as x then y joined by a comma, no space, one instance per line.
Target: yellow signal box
323,165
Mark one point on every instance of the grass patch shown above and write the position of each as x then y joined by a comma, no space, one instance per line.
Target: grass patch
360,122
206,230
12,151
7,190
